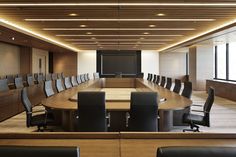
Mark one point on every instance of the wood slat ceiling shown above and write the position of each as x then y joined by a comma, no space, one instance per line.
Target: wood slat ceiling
116,38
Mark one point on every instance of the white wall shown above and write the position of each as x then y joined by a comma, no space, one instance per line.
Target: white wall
150,62
36,54
87,62
173,64
9,59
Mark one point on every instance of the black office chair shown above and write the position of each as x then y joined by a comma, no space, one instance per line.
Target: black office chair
74,81
82,78
30,80
88,76
148,78
168,83
177,86
187,91
151,76
54,76
3,85
10,79
40,78
91,112
194,120
163,81
143,112
38,151
196,151
78,79
59,85
154,78
67,82
19,83
85,77
40,120
158,80
48,88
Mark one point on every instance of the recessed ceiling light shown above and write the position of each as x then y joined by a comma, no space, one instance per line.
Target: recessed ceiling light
152,26
141,38
146,33
160,14
83,26
13,38
93,38
89,33
73,14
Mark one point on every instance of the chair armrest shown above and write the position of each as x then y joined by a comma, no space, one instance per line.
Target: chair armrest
108,117
127,119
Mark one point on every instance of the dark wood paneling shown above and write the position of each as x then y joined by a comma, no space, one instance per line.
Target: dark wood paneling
25,60
65,62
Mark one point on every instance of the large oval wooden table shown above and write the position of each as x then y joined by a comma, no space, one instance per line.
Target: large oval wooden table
64,102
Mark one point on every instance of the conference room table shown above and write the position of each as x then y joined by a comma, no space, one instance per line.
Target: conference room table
117,101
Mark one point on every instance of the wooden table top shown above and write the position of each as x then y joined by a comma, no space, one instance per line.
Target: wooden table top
61,100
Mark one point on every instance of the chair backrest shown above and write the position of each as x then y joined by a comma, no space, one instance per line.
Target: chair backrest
143,112
96,76
38,151
48,88
27,105
3,85
91,112
187,151
151,76
48,77
158,79
208,104
154,78
163,81
54,76
85,77
30,80
168,83
177,86
74,81
40,78
78,79
82,78
10,79
148,78
59,85
88,76
67,82
187,91
19,82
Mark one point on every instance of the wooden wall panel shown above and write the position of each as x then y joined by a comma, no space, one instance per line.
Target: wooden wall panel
65,62
25,60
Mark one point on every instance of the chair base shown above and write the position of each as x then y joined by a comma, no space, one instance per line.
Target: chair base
194,128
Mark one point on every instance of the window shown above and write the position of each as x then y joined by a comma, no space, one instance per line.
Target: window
225,61
232,61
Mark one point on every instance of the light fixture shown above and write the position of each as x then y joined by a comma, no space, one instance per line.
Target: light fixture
113,4
83,26
73,14
135,20
93,38
115,43
122,35
13,38
89,33
160,14
145,33
24,30
119,39
142,38
121,29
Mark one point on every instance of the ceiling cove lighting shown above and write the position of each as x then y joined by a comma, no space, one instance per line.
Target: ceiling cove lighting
119,39
24,30
113,4
73,14
122,43
123,20
199,35
122,29
75,35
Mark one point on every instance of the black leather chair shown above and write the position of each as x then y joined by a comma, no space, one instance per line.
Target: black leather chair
143,113
38,151
168,83
195,119
67,82
158,80
163,81
40,78
148,78
88,76
85,77
187,91
198,151
177,86
151,76
82,78
59,85
74,81
92,112
19,82
154,78
3,85
30,80
48,88
39,120
96,76
78,79
10,79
